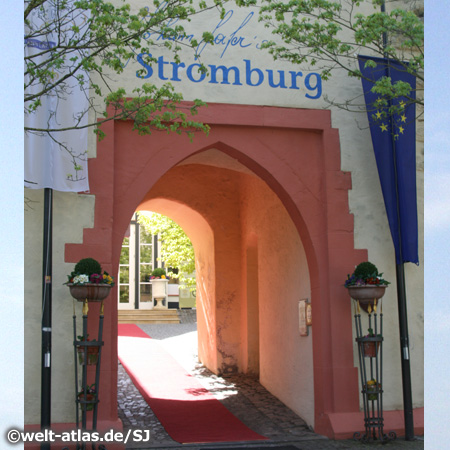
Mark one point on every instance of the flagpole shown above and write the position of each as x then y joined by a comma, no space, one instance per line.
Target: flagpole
46,315
404,349
401,292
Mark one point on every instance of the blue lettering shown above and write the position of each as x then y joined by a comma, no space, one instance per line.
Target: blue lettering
317,86
175,67
222,74
222,22
248,74
140,59
294,76
235,40
281,84
219,39
259,46
189,73
225,71
161,63
188,37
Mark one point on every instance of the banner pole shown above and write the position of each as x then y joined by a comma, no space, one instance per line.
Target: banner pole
46,315
404,348
401,293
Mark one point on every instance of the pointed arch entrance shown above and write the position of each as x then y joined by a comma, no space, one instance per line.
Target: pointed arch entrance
296,154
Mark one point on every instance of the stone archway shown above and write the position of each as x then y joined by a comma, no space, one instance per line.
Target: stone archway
296,154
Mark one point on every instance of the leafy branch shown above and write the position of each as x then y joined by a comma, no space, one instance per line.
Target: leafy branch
331,35
177,251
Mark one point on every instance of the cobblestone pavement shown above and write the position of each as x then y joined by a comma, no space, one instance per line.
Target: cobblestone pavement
242,395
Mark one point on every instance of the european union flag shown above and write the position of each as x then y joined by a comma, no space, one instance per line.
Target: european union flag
393,129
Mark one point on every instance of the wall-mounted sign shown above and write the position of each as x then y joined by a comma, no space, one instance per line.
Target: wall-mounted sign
235,59
303,327
308,314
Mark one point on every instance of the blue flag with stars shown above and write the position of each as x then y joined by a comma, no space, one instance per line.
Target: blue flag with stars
393,130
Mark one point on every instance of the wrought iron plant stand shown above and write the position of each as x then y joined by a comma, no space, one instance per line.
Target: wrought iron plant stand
370,351
83,351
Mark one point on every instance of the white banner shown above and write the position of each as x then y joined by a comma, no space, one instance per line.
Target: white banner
58,159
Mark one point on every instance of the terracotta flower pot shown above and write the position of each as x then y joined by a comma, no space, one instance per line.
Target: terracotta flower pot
371,349
88,398
90,291
92,355
366,294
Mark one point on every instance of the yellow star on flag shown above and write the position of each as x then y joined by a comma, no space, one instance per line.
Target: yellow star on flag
401,129
403,118
402,104
383,127
378,115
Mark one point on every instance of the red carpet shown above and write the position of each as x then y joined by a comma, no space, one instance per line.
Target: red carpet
188,412
130,330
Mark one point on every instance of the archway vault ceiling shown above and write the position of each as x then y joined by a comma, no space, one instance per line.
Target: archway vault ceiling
219,159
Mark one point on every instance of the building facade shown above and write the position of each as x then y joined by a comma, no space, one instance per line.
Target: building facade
281,200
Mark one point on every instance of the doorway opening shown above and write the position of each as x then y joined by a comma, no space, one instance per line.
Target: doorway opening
153,241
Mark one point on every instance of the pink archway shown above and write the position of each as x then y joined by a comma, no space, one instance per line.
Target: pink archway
297,154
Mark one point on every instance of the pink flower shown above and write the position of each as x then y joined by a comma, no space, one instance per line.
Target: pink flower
96,278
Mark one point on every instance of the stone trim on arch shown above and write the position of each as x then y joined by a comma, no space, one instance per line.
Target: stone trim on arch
297,154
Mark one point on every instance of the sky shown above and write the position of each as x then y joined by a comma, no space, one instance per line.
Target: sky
11,217
437,218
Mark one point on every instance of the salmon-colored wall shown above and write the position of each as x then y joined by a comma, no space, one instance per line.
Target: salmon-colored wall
285,359
296,153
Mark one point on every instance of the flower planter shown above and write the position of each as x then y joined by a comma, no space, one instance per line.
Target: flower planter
159,287
366,294
92,355
373,391
159,292
371,349
88,398
90,291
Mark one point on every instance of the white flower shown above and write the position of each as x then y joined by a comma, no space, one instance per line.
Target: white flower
81,279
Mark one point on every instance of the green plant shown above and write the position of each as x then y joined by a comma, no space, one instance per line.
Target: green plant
89,398
87,339
365,273
371,333
366,270
90,389
372,389
159,272
88,266
89,270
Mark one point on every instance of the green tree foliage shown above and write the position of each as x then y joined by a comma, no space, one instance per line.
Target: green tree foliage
90,42
331,34
177,251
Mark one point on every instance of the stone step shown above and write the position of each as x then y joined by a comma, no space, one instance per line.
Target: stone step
148,311
152,311
148,316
